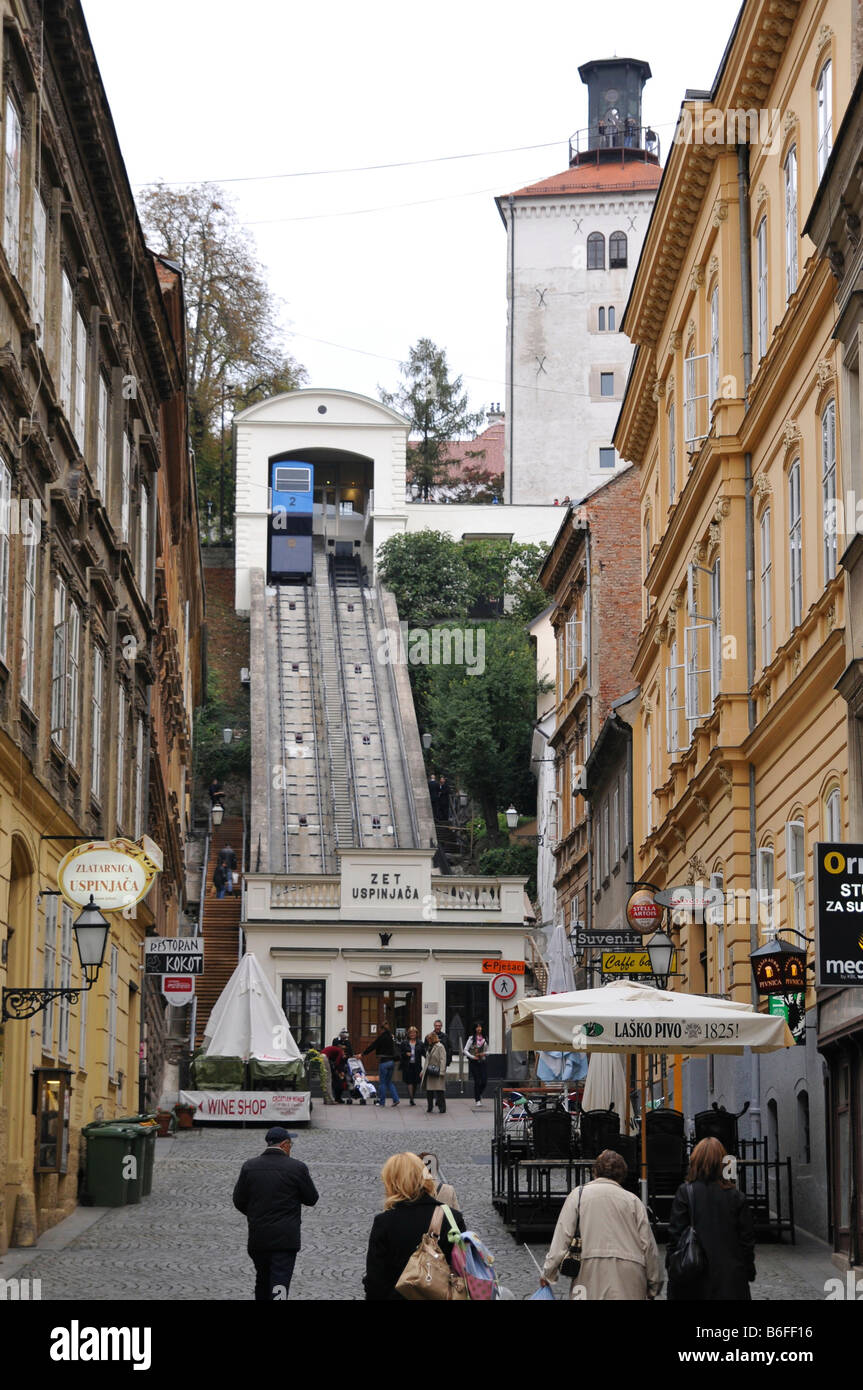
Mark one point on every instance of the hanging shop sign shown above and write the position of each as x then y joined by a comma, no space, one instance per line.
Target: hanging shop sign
838,914
792,1008
610,940
114,873
630,963
688,902
178,989
644,912
778,967
174,955
503,967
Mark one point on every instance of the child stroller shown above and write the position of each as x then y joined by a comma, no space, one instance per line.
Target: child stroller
359,1085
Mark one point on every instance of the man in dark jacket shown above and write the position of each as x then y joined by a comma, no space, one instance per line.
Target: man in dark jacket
270,1192
442,1037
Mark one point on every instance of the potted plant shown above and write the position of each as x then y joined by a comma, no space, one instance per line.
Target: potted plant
164,1119
185,1112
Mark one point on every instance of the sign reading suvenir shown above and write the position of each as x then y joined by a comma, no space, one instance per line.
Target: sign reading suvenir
503,967
174,955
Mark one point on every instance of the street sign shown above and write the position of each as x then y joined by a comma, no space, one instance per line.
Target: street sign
178,989
630,963
114,873
622,940
174,955
503,987
503,967
838,914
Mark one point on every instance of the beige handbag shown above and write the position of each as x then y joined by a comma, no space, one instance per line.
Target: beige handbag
427,1276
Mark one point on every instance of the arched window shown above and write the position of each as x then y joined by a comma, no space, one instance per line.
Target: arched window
617,251
611,324
824,105
596,251
795,547
790,168
716,915
804,1146
828,488
672,453
648,773
714,344
601,319
833,815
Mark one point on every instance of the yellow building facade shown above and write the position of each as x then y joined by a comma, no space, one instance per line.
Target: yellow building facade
732,411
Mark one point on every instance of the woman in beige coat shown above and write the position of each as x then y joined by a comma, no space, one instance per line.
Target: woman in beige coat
435,1084
619,1259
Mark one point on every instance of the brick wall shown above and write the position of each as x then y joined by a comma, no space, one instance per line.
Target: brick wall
227,634
616,576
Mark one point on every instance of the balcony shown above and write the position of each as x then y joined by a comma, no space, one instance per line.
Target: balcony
605,141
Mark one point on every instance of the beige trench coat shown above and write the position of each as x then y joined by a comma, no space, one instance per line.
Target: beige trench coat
619,1258
437,1056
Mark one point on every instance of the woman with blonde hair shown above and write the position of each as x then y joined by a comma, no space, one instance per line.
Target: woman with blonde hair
409,1207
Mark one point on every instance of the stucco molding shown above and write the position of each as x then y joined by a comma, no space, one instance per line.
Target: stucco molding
696,279
791,436
720,213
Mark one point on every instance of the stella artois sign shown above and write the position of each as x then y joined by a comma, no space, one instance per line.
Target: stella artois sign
643,912
114,873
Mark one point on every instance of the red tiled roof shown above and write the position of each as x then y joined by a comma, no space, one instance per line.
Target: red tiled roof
491,440
608,177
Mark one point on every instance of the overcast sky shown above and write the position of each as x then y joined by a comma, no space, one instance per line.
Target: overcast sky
365,263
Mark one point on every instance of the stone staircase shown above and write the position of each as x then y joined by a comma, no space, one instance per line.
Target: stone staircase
220,926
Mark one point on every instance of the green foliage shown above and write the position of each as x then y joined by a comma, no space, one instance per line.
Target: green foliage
511,859
437,409
428,574
213,757
483,724
500,568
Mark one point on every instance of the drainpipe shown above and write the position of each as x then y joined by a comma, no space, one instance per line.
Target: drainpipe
511,342
588,643
746,304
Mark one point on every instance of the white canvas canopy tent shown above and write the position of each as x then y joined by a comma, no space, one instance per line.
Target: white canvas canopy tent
248,1021
628,1017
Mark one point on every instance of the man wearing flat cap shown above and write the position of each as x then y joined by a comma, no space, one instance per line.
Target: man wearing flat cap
270,1192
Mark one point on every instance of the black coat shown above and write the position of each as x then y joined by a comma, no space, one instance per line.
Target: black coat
384,1045
270,1192
412,1074
394,1237
723,1222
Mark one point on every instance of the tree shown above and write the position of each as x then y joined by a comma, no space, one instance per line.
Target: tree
475,483
483,724
437,409
428,574
501,569
234,348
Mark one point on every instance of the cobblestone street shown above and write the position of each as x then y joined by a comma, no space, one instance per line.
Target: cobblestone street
186,1241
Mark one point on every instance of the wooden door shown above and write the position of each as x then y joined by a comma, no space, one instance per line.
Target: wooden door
371,1007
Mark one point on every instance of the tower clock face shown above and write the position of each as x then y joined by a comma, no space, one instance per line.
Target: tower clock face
611,97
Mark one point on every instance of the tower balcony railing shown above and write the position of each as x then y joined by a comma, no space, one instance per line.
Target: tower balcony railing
608,139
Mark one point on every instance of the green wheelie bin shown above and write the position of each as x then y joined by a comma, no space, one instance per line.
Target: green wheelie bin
108,1146
145,1152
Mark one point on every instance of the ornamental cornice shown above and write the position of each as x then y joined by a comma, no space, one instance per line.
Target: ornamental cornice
790,435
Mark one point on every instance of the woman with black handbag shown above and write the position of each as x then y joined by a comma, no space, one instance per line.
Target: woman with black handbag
603,1240
711,1237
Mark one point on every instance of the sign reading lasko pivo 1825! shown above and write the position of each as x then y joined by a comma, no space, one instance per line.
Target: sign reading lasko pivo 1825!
839,914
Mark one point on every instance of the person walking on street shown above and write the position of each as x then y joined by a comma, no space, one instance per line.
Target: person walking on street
443,800
619,1258
271,1191
476,1052
335,1055
412,1053
228,860
220,879
434,796
442,1038
434,1073
722,1218
385,1047
215,790
409,1208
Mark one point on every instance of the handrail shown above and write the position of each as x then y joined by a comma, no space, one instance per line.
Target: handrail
400,731
343,699
282,730
318,771
379,715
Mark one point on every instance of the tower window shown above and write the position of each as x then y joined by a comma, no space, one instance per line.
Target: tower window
596,251
601,319
606,458
606,383
617,251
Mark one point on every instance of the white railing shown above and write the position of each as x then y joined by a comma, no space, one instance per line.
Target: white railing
313,890
467,895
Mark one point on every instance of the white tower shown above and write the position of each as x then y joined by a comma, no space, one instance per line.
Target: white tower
573,242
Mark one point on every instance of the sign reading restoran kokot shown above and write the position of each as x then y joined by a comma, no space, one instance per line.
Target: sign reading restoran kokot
115,873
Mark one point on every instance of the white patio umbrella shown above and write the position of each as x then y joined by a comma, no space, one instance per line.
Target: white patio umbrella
561,979
248,1021
632,1017
606,1085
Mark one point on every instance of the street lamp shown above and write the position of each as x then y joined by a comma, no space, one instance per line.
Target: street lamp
660,949
91,934
227,735
427,741
511,817
217,812
415,491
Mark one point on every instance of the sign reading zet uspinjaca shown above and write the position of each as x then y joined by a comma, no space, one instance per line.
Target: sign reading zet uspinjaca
115,873
838,914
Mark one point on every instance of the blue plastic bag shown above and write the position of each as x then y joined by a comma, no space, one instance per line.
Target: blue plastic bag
543,1292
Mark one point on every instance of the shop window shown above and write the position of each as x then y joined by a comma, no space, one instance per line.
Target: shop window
51,1106
467,1003
303,1002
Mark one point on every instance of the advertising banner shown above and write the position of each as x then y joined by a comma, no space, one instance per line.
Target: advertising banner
174,955
249,1105
838,914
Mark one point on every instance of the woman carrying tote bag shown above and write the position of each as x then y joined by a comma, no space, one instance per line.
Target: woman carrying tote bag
409,1206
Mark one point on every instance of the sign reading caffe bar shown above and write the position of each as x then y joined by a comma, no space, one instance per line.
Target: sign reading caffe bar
385,885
